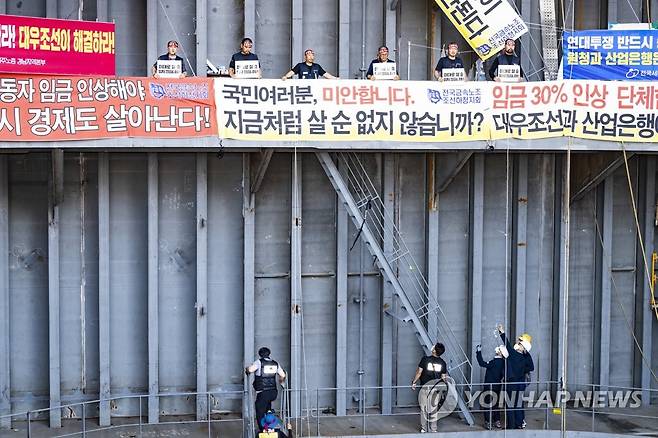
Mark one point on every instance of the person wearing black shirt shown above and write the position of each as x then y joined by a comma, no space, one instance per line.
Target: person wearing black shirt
266,372
172,48
382,56
449,61
494,375
243,55
506,57
308,69
430,368
519,366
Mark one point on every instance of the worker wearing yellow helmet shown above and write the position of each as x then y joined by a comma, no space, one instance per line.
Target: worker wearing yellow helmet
519,366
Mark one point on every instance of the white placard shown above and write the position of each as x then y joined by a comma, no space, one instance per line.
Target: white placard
453,75
509,73
247,69
169,69
384,70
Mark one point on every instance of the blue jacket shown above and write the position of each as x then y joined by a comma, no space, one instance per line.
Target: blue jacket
518,364
495,370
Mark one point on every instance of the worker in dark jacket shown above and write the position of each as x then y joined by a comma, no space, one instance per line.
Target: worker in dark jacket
519,367
492,378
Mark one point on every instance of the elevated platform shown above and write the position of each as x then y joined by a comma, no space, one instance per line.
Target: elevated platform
619,422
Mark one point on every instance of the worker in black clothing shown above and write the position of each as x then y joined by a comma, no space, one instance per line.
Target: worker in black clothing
382,56
493,376
308,69
506,57
430,368
265,371
518,369
172,48
243,55
449,61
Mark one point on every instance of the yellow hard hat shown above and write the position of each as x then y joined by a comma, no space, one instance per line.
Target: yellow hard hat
526,337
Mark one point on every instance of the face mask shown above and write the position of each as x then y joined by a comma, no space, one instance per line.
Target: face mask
518,348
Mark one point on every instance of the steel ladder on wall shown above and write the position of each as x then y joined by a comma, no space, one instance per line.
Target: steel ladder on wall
367,210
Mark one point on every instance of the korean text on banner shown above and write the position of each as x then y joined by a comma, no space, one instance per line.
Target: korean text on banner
350,110
611,55
44,108
485,24
49,46
613,111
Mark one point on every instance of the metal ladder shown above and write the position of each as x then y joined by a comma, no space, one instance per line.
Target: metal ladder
364,205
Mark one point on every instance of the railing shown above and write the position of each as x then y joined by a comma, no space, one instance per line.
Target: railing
317,419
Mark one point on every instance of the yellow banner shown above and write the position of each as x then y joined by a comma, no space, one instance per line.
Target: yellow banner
484,24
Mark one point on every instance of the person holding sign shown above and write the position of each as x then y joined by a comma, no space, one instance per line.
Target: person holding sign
507,65
244,64
169,65
382,67
308,69
451,67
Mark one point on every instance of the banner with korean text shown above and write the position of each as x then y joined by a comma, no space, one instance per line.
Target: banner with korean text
53,108
351,110
435,112
610,55
484,24
51,46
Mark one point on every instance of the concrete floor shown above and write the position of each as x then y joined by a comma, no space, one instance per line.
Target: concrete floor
643,422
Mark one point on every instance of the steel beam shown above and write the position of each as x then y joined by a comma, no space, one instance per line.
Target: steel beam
102,10
104,286
432,243
389,169
3,6
56,192
265,158
153,354
201,35
525,39
592,169
521,239
562,305
296,288
201,285
391,29
342,237
606,284
248,214
250,19
5,365
151,34
344,39
297,31
51,9
646,311
448,167
477,243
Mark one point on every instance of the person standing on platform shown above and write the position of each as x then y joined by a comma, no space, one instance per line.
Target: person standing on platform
382,57
265,371
451,60
492,378
308,69
172,48
243,55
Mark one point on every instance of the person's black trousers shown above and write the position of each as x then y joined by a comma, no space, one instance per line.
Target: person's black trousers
492,398
264,401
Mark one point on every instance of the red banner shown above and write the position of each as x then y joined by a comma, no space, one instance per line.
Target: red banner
50,108
49,46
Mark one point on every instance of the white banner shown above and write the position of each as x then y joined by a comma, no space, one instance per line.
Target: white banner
485,24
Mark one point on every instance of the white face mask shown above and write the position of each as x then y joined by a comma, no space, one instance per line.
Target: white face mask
518,348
